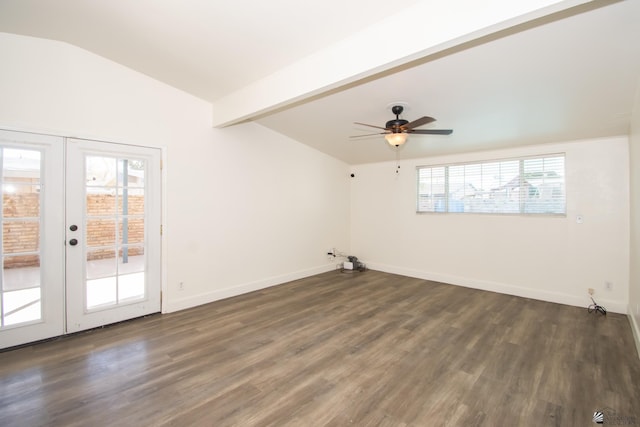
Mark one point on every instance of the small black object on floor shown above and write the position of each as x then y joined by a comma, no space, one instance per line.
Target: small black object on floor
596,308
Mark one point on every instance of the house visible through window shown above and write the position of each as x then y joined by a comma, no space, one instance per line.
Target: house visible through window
531,185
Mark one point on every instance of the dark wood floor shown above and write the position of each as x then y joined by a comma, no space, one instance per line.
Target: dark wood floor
366,349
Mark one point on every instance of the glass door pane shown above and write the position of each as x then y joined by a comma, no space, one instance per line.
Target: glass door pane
20,184
114,222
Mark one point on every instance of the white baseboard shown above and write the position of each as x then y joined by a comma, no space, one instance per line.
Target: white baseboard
560,298
218,294
635,328
503,288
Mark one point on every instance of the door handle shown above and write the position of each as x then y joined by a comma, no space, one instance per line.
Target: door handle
73,242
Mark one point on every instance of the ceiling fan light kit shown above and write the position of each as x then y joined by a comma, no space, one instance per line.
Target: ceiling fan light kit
396,131
396,139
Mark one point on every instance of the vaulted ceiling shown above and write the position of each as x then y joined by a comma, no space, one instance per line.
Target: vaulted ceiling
499,77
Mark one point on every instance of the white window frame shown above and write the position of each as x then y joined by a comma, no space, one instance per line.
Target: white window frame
547,198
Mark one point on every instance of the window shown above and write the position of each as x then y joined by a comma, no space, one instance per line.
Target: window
529,186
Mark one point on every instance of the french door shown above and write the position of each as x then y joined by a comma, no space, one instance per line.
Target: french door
112,233
32,280
80,235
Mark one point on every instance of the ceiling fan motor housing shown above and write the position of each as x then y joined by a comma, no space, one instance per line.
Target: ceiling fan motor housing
396,124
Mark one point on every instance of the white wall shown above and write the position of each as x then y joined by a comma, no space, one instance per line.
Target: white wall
547,258
634,286
244,207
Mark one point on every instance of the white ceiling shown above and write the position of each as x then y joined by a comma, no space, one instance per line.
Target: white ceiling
206,47
568,76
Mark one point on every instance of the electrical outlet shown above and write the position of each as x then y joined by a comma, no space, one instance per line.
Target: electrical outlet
608,285
591,291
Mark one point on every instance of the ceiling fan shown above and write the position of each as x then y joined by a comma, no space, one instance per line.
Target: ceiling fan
397,130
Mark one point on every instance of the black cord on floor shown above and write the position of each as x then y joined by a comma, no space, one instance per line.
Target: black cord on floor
596,308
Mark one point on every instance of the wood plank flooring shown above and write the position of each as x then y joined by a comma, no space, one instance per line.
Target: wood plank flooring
361,349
